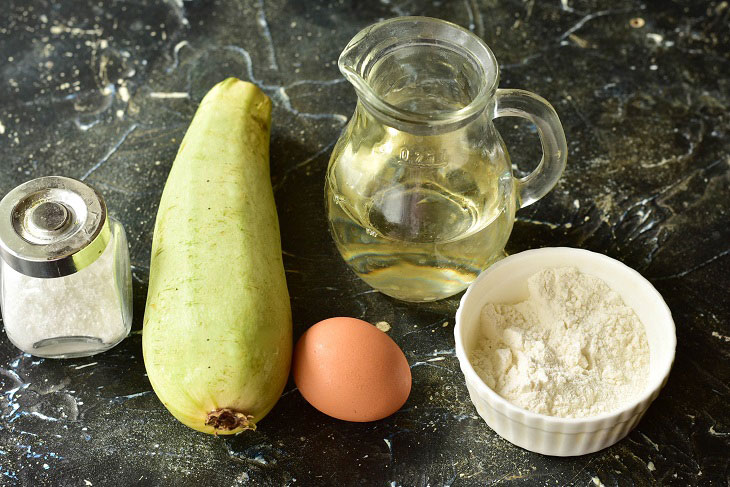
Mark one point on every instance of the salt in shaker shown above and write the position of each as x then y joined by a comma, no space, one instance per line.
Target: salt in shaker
65,278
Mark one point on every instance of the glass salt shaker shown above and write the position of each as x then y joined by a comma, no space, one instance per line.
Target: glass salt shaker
65,278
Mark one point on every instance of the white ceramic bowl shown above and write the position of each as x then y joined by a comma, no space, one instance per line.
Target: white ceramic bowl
506,282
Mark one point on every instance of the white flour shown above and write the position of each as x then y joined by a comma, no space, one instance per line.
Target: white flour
572,349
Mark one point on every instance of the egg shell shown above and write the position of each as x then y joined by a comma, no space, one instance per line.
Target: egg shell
350,370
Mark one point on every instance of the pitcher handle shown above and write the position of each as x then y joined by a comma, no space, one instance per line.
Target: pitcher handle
521,103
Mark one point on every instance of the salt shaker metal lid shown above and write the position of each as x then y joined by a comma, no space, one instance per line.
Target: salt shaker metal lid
52,226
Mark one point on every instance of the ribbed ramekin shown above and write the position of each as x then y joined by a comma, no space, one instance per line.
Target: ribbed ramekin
506,282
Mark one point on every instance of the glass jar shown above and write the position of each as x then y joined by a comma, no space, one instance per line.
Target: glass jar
419,190
65,277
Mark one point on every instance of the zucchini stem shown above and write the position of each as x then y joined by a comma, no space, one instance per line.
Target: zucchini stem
226,419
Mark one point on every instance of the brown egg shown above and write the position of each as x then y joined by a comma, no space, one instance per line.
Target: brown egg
350,370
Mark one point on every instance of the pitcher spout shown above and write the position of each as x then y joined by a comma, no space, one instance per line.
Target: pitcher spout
352,58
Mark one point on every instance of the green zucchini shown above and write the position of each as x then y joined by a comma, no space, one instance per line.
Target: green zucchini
217,333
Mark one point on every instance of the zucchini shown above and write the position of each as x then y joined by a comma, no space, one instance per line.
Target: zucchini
217,333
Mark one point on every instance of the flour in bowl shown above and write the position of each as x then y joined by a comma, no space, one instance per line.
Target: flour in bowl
573,349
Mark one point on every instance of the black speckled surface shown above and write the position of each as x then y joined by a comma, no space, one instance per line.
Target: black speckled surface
104,91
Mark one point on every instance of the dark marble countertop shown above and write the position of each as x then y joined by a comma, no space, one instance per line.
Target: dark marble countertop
104,91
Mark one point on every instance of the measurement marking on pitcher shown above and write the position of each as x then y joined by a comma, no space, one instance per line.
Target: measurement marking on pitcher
423,158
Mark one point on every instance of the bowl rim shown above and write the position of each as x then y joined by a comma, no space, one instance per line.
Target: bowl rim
538,419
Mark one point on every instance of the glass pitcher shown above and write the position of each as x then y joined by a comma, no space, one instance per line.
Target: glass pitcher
419,191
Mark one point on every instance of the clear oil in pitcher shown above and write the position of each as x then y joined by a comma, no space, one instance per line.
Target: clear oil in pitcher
418,212
428,233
